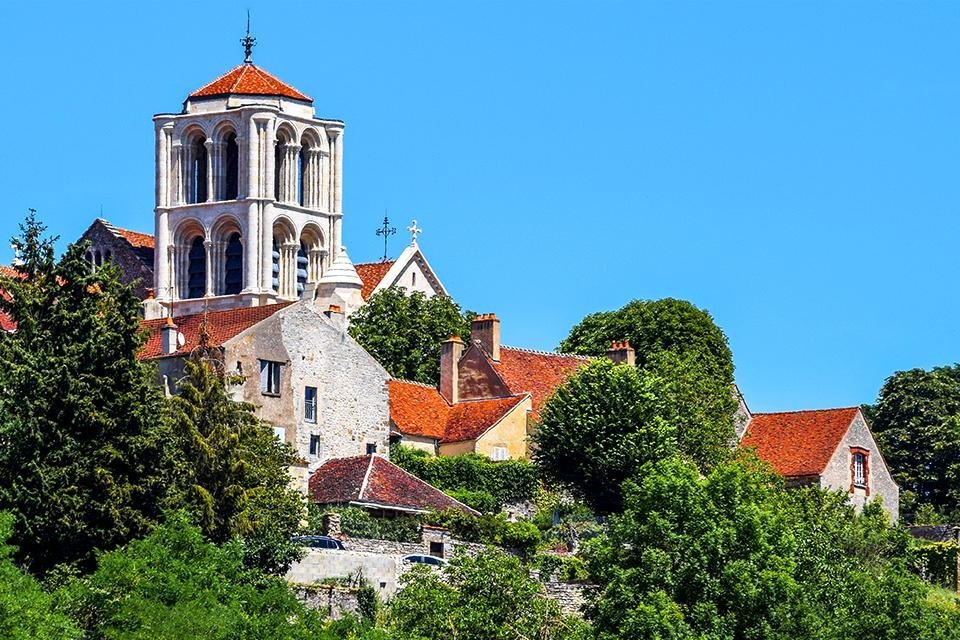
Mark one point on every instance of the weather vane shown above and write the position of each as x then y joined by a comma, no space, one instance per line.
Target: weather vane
414,231
248,43
386,231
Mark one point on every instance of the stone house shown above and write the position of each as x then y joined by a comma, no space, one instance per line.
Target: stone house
131,251
833,448
488,396
321,391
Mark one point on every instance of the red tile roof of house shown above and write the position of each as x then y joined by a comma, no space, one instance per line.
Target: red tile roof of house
419,410
6,322
798,443
135,238
249,79
538,373
221,326
375,481
372,273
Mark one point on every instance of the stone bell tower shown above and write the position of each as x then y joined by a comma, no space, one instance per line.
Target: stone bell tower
249,198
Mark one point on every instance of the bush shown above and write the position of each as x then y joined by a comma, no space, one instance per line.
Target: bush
489,529
935,562
358,523
507,481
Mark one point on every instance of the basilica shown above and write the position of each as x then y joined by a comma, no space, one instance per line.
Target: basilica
247,250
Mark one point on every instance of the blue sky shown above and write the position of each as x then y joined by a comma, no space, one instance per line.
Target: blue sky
789,166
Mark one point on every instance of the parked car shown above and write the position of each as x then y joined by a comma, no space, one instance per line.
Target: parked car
421,559
317,542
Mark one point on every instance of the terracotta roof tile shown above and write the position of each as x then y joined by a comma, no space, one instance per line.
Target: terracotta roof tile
419,410
372,273
249,79
798,443
221,325
137,239
374,480
538,373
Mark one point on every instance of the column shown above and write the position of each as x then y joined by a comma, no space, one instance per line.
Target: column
266,235
173,258
176,155
250,239
161,173
338,172
208,246
208,144
335,243
161,258
252,154
270,158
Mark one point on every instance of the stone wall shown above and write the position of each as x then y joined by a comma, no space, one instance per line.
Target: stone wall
571,596
132,268
337,601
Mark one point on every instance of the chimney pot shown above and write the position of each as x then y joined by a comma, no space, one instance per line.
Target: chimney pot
621,352
168,337
485,330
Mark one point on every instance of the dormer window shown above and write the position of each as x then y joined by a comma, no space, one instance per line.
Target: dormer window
859,469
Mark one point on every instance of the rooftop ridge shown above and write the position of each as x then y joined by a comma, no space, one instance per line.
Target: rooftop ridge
241,71
414,382
795,411
549,353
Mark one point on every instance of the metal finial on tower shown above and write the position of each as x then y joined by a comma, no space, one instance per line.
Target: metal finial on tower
248,43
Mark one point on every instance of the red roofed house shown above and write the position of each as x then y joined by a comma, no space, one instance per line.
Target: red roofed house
487,396
830,447
374,483
322,392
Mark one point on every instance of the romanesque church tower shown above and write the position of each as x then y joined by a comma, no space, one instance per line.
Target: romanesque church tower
249,188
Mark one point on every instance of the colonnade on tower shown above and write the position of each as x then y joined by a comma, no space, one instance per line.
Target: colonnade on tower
248,195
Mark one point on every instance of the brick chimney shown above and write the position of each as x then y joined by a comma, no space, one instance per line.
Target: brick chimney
622,353
168,337
485,329
450,352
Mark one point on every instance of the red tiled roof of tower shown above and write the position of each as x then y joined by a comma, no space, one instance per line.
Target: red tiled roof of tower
375,481
221,326
798,443
536,372
372,273
249,79
419,410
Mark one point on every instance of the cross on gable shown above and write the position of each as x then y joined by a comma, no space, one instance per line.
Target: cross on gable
414,231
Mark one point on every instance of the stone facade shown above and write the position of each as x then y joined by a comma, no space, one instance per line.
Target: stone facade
336,601
135,263
880,484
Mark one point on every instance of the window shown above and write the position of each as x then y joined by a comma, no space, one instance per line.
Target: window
310,404
859,469
371,448
436,549
231,167
233,265
498,454
270,377
314,444
197,269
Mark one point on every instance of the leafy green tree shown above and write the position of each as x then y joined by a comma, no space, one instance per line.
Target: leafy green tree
82,455
916,421
485,597
175,584
599,429
404,331
26,612
654,326
734,555
233,473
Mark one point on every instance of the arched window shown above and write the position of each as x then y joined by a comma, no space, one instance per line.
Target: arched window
275,271
231,167
302,162
279,155
303,263
197,269
197,170
233,266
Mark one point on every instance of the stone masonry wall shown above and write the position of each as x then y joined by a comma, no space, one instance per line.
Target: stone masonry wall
338,601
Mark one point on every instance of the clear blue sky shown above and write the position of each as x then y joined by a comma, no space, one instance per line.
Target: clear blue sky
789,166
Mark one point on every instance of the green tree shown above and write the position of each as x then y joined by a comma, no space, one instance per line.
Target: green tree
26,612
82,456
233,473
599,429
916,421
175,584
734,555
654,326
489,596
404,331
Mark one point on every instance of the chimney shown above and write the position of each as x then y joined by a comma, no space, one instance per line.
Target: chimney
622,353
332,309
450,352
485,329
168,337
